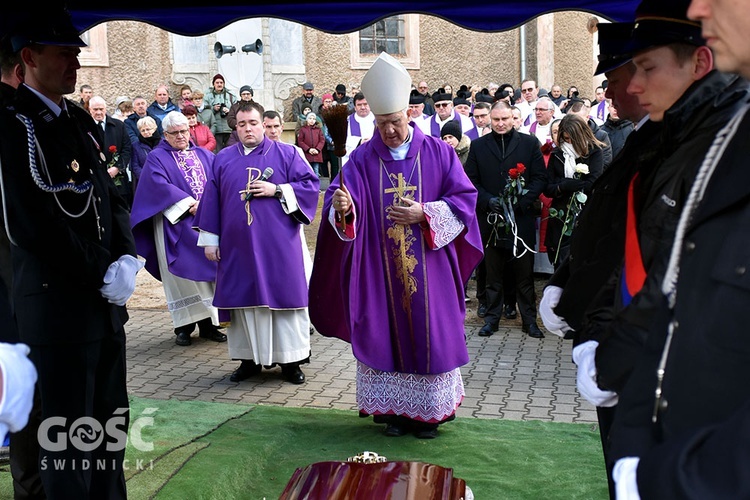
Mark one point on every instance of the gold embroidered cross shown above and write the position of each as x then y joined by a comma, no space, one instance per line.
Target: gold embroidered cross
401,189
253,174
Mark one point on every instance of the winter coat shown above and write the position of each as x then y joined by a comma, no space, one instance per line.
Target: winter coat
311,137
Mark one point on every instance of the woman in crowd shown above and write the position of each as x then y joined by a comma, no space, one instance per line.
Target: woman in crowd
148,138
573,167
200,134
310,138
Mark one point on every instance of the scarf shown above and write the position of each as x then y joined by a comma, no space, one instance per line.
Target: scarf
570,155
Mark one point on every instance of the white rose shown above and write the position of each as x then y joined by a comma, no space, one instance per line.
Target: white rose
582,168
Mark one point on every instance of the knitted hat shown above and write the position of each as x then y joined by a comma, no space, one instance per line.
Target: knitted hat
246,88
453,128
341,88
326,96
217,76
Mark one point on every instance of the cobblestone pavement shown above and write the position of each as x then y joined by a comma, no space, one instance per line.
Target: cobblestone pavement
510,375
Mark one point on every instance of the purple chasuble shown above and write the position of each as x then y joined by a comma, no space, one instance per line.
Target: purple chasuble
397,301
168,176
261,263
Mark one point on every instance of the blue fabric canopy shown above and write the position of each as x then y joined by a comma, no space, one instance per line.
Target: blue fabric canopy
337,16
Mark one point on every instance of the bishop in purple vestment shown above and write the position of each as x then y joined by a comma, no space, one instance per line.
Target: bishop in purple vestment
389,278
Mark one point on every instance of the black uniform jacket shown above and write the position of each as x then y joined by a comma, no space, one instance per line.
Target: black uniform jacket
699,446
61,242
598,240
690,126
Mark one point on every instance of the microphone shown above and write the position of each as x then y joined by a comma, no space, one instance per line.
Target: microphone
268,172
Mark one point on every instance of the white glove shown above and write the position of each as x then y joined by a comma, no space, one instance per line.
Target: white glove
19,377
119,280
624,474
552,322
583,357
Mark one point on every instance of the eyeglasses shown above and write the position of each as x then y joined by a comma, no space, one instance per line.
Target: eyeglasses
442,104
423,87
527,90
178,132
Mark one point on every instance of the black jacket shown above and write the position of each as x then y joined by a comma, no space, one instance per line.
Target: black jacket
598,241
60,256
690,126
560,189
699,444
618,131
490,159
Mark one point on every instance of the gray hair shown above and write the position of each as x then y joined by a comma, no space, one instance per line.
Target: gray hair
173,119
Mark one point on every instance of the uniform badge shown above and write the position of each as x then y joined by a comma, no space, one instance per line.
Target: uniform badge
74,166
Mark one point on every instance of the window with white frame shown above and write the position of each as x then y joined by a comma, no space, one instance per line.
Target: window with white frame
395,35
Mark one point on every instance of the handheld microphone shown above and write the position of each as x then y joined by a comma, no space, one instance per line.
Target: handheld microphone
268,172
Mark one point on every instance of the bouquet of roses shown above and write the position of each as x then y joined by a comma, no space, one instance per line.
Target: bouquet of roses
113,163
501,213
573,210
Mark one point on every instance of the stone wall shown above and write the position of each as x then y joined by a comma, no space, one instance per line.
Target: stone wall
140,58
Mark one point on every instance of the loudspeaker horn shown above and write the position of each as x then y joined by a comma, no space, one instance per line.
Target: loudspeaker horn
220,49
256,47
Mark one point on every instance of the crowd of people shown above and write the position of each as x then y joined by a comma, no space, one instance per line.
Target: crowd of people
637,198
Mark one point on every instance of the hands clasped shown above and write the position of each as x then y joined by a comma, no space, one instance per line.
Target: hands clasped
119,280
408,212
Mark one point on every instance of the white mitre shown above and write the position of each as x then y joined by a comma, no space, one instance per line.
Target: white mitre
386,86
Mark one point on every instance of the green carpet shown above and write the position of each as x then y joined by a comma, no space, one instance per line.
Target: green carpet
229,451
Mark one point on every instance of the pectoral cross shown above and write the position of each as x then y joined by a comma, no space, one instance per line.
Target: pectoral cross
253,174
401,189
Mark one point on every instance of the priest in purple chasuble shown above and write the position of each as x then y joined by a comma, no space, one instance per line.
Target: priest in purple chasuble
169,191
389,277
250,221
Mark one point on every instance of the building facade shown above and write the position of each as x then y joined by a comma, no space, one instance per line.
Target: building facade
131,58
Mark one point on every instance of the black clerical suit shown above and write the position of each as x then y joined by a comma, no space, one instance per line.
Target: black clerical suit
61,246
490,159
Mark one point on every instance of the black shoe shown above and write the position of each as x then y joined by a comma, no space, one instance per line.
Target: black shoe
533,331
487,330
427,432
482,310
248,368
292,373
212,334
183,338
395,430
510,312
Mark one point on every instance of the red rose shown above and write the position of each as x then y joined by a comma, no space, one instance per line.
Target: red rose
113,149
513,173
521,169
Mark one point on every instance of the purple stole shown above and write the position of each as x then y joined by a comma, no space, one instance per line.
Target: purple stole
192,169
601,110
354,127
